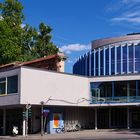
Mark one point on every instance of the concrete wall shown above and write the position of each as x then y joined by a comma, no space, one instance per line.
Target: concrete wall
38,85
10,99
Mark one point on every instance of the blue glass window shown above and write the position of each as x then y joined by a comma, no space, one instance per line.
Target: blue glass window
101,62
125,59
107,61
130,58
119,60
113,60
96,63
137,58
92,63
88,59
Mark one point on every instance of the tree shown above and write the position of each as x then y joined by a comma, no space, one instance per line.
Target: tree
22,44
44,46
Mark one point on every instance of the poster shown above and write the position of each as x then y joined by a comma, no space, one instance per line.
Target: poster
57,119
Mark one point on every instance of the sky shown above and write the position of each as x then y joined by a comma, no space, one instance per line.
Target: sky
76,23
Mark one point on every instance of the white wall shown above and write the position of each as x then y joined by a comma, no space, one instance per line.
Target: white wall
11,99
38,85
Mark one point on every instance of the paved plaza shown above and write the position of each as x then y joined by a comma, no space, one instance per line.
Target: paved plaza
110,134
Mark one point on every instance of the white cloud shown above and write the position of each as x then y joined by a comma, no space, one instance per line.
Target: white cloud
130,1
22,25
133,17
74,47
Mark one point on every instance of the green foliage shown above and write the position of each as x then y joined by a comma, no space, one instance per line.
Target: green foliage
22,44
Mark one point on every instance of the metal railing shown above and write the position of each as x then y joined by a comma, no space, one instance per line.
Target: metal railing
124,99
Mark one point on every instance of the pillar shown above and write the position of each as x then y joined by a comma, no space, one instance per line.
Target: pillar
95,118
24,124
4,121
128,118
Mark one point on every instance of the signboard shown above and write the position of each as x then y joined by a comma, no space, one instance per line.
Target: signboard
45,112
57,120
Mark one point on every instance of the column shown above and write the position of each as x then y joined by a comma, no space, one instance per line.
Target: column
4,121
128,118
109,117
95,118
24,124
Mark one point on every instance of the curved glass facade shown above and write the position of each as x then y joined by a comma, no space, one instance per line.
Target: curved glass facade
109,60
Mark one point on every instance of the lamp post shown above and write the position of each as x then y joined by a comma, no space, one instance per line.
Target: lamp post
42,128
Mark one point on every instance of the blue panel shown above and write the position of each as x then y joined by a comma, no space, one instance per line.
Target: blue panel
115,61
104,57
119,60
125,59
137,58
94,62
131,58
109,61
99,62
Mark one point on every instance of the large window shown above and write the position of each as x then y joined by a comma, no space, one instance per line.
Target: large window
92,64
2,86
113,60
107,61
131,58
132,88
101,89
125,59
101,63
97,62
120,88
12,84
118,60
137,58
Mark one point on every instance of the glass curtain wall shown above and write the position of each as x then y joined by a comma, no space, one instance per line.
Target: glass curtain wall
118,91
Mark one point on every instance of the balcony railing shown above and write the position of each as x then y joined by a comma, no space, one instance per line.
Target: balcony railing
124,99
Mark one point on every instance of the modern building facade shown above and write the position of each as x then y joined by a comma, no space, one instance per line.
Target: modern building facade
113,67
106,97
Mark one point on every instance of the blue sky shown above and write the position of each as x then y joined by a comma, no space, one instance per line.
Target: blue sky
76,23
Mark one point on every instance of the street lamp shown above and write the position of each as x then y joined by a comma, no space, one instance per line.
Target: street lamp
42,128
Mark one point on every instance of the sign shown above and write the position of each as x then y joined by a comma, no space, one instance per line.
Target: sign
57,120
45,112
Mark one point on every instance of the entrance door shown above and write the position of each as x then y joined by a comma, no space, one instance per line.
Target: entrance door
103,118
136,119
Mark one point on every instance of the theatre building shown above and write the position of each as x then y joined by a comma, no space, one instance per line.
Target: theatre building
102,92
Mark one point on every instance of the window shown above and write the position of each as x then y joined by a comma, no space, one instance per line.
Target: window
101,63
132,88
113,60
96,63
12,84
125,59
137,58
92,64
120,88
119,59
107,61
2,86
131,58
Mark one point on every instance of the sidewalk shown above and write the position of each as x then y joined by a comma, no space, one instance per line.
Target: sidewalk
85,134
